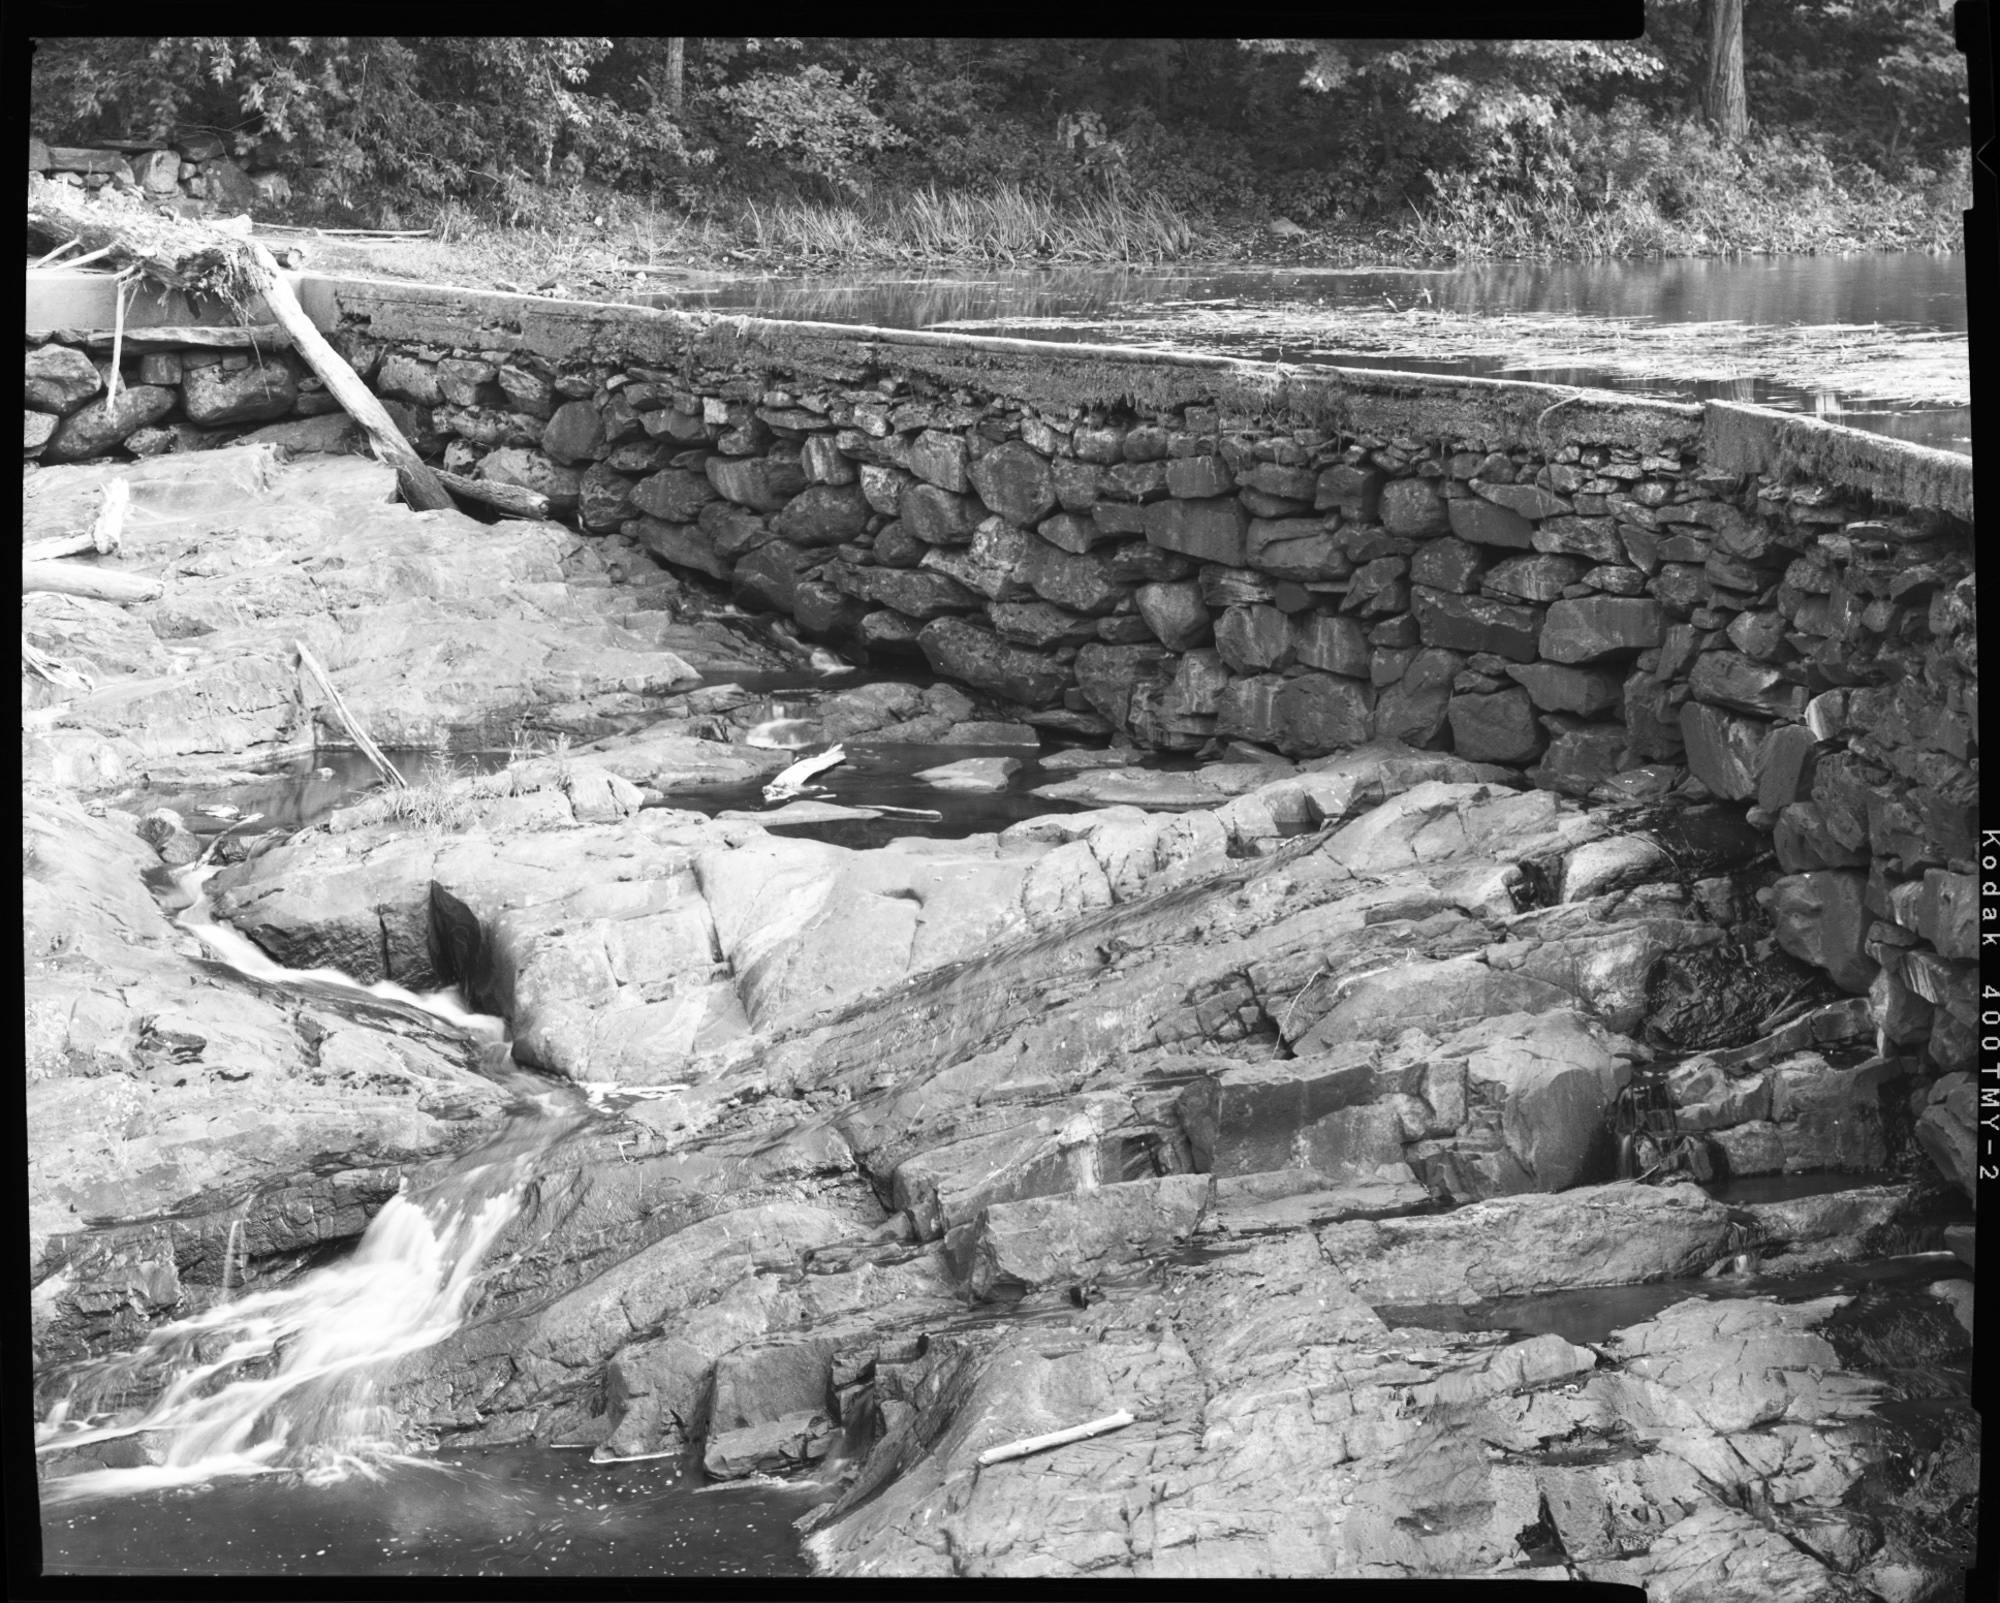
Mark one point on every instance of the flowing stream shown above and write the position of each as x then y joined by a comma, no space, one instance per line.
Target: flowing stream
272,1390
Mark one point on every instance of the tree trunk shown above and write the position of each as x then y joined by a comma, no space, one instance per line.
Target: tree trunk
1723,105
676,70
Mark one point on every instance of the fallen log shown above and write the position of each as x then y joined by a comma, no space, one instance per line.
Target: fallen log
79,579
149,341
513,499
419,483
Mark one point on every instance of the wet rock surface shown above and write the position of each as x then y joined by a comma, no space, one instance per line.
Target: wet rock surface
929,1146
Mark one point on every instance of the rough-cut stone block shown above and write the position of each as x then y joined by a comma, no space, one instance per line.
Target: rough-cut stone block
1101,445
98,425
215,397
889,628
575,433
1822,918
1355,491
531,470
940,459
1068,532
1255,639
1413,508
1597,626
1554,688
1272,478
604,498
760,482
1307,716
1730,679
1136,562
1580,759
682,544
939,517
1176,614
1077,484
1476,623
1447,564
1014,482
1039,625
1496,728
1105,675
1802,840
1527,500
36,429
674,495
1722,750
526,392
995,564
1214,530
1414,708
964,651
1537,578
884,487
1785,769
824,514
414,380
60,379
1195,477
767,578
1080,583
915,592
1332,642
1595,538
1484,522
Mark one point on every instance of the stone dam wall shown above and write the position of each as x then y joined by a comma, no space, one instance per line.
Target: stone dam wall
1618,598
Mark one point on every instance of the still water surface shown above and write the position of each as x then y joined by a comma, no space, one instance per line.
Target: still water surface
1174,308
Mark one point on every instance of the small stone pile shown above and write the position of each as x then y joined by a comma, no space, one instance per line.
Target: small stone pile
197,175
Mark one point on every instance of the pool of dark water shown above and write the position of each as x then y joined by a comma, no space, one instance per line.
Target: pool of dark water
1589,1314
513,1511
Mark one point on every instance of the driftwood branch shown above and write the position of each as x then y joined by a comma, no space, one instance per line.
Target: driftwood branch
80,579
175,252
105,532
512,499
348,721
147,341
1055,1438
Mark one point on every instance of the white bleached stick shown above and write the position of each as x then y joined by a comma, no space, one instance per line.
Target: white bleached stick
1058,1438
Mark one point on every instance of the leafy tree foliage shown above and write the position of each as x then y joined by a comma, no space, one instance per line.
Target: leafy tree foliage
1312,128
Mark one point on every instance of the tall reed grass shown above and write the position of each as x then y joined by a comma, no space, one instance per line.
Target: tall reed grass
1465,222
1009,224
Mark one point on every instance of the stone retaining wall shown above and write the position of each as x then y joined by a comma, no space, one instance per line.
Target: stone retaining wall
1616,597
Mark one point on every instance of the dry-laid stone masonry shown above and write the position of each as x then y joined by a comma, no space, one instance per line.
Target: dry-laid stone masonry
1619,598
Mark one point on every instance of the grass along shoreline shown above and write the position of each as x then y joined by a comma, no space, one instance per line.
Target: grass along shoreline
597,244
